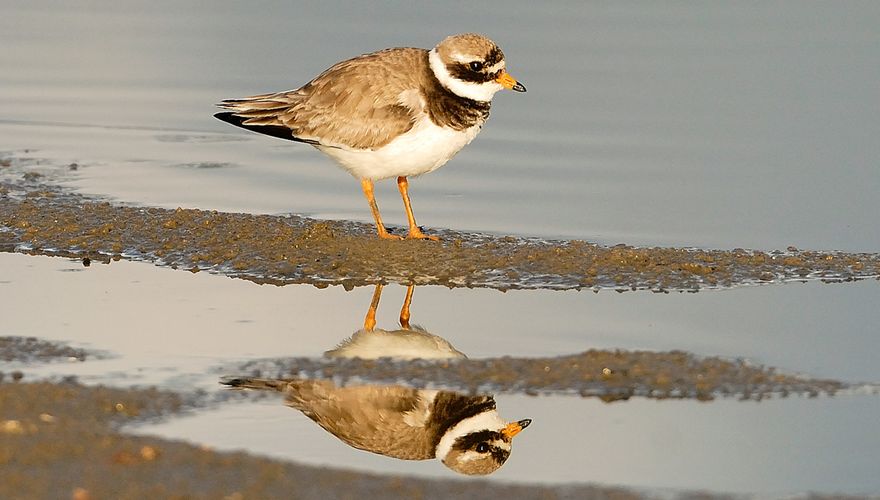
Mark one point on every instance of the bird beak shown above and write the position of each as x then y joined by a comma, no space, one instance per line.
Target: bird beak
515,428
510,82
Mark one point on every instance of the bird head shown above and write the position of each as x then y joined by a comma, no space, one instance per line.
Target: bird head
479,445
471,66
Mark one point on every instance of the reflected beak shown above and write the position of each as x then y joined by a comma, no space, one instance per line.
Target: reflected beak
515,428
510,82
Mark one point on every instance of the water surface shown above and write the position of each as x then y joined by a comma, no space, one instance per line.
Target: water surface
646,123
182,331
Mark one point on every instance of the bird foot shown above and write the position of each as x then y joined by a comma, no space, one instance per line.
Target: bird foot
385,235
417,234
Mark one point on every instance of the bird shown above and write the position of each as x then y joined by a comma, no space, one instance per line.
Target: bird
464,432
398,112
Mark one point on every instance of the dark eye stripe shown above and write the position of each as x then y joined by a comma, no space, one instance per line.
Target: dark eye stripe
469,441
463,72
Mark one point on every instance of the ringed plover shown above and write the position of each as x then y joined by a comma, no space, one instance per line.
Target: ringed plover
464,432
398,112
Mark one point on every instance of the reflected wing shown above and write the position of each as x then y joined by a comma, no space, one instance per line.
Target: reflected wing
388,420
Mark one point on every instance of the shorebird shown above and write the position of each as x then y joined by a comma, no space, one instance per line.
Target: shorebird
399,112
464,432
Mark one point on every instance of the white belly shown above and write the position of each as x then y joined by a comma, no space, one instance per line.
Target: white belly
425,148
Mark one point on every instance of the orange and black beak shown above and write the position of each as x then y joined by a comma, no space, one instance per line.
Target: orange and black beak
510,82
515,428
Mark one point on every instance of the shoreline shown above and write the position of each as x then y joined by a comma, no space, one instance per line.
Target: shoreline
43,219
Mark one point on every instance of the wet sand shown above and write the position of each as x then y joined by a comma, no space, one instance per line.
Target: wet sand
38,217
608,375
31,349
70,433
75,435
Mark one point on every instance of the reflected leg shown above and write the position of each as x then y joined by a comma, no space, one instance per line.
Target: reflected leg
404,311
370,320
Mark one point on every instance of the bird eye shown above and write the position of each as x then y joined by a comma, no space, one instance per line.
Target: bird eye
476,66
482,448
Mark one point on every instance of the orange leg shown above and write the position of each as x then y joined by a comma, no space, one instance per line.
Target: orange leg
414,231
367,186
370,320
404,311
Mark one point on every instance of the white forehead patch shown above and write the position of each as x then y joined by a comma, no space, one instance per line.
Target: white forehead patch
458,57
497,66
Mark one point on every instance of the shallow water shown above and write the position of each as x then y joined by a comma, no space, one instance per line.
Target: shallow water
714,125
182,331
183,319
772,449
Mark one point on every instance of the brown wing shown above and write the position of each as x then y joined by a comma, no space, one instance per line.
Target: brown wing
367,417
356,103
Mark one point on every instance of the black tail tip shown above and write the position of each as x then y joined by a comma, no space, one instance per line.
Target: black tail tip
232,381
229,117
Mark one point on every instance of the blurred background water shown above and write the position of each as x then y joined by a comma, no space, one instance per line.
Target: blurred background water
651,123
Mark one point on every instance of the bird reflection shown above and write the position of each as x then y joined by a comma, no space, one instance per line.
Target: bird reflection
463,431
408,342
